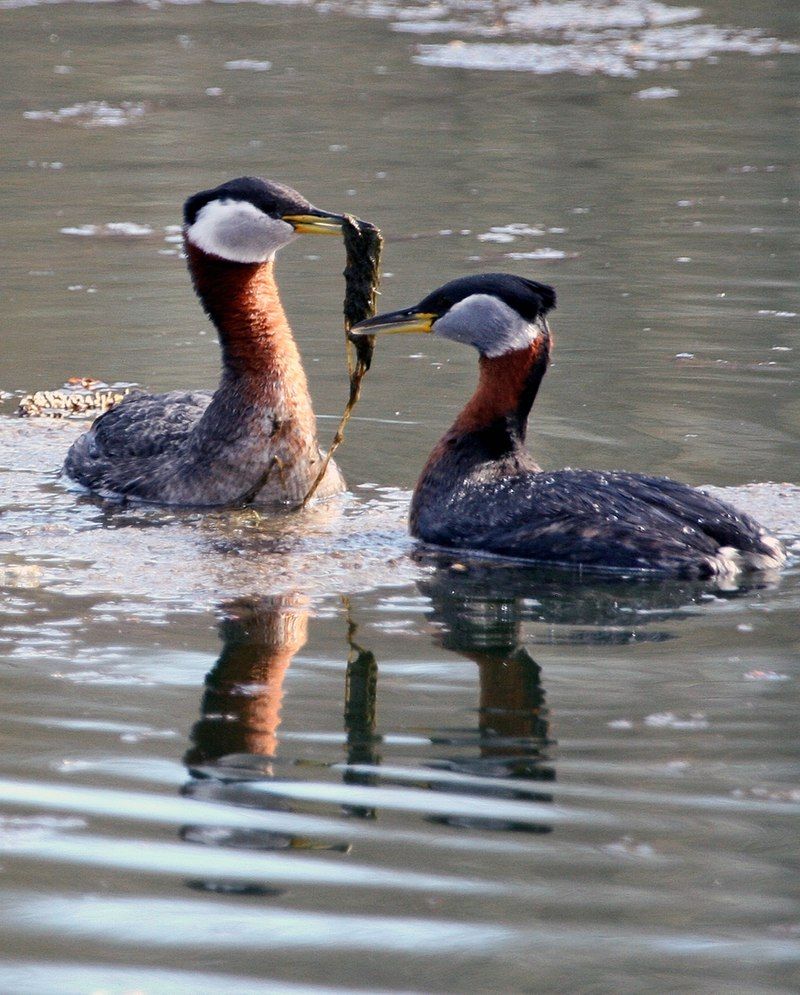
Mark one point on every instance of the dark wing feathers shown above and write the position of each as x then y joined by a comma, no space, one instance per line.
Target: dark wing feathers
139,428
615,519
147,424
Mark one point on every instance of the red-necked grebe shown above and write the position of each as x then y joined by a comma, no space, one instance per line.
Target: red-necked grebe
482,490
255,438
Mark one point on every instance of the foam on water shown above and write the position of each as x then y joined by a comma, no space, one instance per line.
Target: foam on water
56,537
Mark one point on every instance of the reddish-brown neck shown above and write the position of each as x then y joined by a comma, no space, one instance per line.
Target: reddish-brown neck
243,302
506,388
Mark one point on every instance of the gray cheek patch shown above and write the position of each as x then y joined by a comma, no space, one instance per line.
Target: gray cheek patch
487,323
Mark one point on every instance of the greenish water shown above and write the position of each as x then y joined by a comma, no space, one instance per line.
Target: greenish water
249,755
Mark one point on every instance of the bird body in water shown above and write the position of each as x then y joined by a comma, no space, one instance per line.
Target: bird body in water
253,440
482,490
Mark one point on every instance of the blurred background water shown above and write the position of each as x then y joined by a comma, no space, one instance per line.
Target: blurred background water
253,755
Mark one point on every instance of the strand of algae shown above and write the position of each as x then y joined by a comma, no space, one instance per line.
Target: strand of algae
363,244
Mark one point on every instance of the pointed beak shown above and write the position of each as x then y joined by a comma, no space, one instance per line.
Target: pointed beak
315,222
406,321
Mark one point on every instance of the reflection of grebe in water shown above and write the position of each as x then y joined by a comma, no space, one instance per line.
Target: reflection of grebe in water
482,624
236,738
241,708
492,772
481,489
255,438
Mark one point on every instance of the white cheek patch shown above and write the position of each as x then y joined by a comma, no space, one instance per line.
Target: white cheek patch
237,231
486,322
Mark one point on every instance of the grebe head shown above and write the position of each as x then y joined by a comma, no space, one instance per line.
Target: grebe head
498,313
248,219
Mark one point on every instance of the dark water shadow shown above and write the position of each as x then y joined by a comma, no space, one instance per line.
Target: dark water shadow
600,609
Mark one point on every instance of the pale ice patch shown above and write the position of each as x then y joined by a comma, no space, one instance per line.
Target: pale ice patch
657,93
124,229
448,27
517,228
584,52
765,675
669,720
496,236
81,230
508,233
532,58
127,228
92,114
253,65
628,847
596,17
544,253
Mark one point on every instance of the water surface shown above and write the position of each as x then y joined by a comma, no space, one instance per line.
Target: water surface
245,754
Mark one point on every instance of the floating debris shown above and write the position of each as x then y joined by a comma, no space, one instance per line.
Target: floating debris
81,397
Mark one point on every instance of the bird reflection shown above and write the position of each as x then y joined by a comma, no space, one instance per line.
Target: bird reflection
241,707
487,610
489,613
481,621
608,609
236,737
360,718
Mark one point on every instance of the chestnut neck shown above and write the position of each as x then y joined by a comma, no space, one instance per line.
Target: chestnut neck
507,388
243,302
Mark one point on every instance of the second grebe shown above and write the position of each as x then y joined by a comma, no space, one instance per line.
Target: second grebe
255,438
481,489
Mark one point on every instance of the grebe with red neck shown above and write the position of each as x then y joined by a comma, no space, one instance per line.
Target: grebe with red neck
482,491
254,440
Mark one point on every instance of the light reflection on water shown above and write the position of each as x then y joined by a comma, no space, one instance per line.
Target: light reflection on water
467,783
253,755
